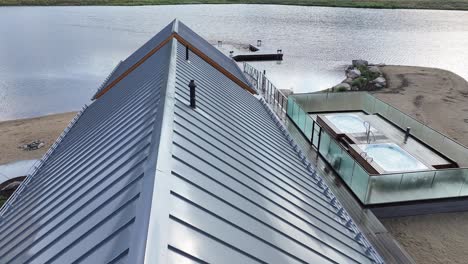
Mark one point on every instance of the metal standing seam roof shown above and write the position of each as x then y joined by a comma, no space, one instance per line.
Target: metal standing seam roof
143,178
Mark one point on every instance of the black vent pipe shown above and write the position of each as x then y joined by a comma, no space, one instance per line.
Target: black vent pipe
192,87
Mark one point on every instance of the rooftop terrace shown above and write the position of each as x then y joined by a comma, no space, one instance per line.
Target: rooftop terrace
449,180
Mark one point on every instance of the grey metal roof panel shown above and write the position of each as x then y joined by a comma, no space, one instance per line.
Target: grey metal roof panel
238,185
212,52
83,203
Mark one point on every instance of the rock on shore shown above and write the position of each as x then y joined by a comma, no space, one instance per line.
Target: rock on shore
362,76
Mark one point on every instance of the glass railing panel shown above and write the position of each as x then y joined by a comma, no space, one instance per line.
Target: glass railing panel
447,183
346,167
300,121
316,135
359,182
384,188
334,155
417,129
324,143
455,151
291,104
368,103
296,114
380,107
394,115
464,189
433,138
308,126
416,185
312,102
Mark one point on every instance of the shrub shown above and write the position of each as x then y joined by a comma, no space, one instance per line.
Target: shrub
340,89
367,74
360,82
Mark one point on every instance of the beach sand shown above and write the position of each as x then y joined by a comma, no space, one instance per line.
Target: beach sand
15,133
435,97
439,99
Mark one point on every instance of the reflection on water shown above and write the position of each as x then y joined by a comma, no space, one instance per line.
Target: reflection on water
53,58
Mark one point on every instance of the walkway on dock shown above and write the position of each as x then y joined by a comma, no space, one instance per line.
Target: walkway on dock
375,232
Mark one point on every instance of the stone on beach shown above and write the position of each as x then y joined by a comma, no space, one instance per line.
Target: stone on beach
36,144
380,81
374,69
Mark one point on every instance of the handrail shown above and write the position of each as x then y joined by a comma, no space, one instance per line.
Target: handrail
38,164
272,95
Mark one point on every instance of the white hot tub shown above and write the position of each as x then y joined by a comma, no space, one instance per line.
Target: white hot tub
392,158
348,123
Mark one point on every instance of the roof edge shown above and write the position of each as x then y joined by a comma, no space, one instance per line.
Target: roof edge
10,202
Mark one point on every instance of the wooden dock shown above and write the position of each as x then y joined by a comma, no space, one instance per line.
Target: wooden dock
259,57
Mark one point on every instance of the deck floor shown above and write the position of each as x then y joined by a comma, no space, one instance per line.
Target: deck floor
368,223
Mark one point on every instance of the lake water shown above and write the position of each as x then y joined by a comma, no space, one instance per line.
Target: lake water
52,59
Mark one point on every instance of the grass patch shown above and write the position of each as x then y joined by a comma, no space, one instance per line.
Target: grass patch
388,4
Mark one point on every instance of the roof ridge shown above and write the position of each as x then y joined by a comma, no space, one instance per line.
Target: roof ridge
175,25
175,34
159,165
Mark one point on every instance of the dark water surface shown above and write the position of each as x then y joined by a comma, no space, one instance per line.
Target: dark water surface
52,59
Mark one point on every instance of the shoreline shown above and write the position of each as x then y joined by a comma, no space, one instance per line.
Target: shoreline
15,133
459,5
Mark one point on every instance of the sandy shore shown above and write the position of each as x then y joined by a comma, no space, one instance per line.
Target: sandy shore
22,131
439,99
430,239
